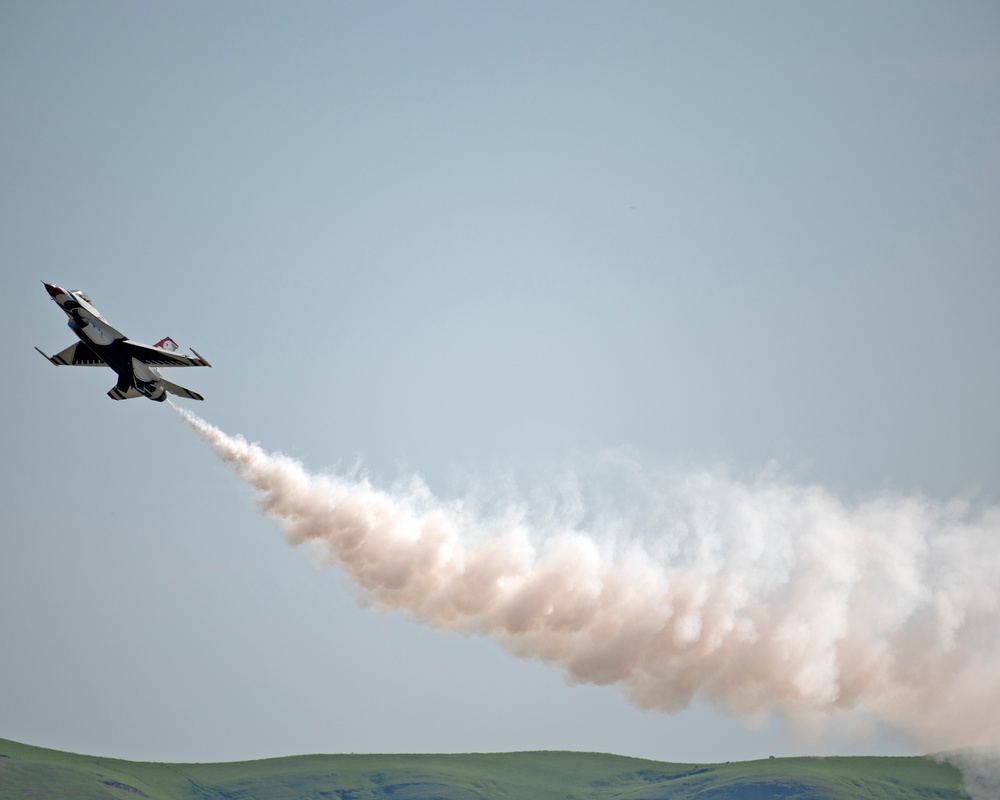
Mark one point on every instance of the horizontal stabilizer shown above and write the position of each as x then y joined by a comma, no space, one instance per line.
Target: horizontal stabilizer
180,391
118,394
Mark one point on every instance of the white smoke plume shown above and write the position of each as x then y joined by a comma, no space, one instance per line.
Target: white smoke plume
980,772
761,597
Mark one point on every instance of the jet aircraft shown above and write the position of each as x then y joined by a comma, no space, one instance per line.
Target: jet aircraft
101,345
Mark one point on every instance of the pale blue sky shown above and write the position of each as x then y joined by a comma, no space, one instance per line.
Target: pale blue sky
459,238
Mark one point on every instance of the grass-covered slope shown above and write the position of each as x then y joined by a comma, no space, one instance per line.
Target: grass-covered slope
39,774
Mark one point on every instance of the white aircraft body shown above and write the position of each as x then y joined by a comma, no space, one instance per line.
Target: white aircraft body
138,365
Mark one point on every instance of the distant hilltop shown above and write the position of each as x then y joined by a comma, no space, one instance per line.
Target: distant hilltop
41,774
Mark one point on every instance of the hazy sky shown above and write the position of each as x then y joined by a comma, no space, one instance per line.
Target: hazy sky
482,243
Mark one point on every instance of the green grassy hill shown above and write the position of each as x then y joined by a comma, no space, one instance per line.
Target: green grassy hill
39,774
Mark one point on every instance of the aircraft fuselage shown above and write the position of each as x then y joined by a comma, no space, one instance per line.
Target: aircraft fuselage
102,345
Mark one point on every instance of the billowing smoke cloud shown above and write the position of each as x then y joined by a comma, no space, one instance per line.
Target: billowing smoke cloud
760,597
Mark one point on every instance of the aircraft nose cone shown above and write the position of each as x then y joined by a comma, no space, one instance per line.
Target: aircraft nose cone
53,290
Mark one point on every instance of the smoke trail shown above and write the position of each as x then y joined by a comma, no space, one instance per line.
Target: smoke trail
980,772
760,597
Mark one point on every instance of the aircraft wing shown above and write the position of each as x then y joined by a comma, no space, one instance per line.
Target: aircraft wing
158,357
76,355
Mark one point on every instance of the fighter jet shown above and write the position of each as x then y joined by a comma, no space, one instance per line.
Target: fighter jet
101,345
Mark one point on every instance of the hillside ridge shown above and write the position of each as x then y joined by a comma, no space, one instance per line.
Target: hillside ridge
27,771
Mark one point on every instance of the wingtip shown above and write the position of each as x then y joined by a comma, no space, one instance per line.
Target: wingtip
201,358
48,358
